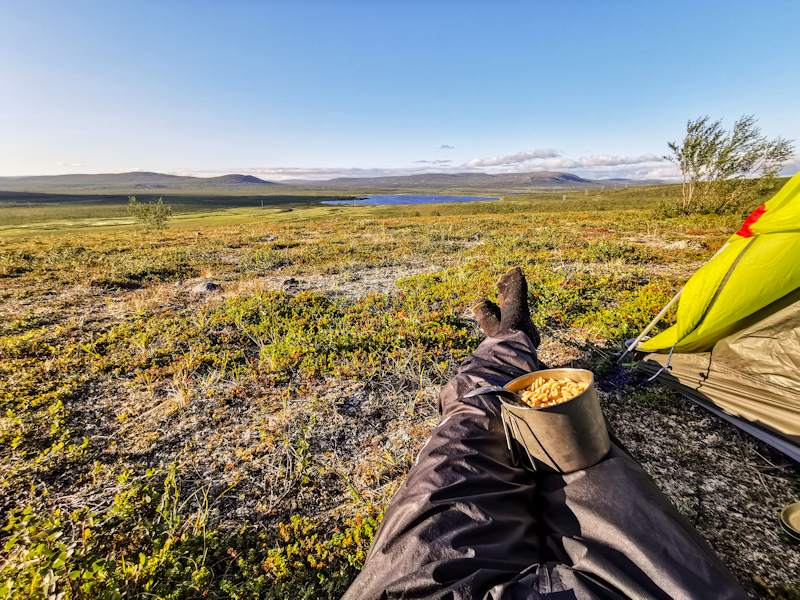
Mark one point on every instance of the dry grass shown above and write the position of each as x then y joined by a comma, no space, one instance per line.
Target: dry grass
103,339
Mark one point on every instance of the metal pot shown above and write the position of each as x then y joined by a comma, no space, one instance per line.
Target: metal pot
563,438
790,520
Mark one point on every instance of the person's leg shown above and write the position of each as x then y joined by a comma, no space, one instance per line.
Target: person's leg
611,523
466,523
462,522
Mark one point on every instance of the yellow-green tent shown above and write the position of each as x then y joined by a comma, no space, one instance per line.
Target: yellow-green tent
736,339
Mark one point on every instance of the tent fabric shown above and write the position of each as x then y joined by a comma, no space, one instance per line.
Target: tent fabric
735,409
736,340
758,266
467,524
753,374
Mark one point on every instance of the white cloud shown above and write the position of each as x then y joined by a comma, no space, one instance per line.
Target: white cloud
551,159
667,173
598,166
605,160
558,163
519,157
63,164
446,147
790,168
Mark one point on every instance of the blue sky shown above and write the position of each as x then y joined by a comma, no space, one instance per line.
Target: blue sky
315,89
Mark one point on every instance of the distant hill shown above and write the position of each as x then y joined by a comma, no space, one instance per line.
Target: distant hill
510,181
118,183
453,180
138,182
237,180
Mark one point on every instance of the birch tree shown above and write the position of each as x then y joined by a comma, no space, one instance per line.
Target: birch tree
723,171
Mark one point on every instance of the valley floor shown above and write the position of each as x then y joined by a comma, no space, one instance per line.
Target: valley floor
226,412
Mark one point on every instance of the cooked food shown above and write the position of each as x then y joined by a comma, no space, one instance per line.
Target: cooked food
547,392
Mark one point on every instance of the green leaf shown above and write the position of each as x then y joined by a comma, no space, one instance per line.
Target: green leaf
60,561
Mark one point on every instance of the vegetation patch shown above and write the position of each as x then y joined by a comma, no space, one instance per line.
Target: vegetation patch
226,412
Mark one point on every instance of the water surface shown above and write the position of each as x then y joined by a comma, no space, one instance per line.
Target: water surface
376,200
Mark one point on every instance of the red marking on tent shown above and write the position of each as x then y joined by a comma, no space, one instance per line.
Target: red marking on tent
750,221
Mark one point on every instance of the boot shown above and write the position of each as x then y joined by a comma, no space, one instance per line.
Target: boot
514,311
488,315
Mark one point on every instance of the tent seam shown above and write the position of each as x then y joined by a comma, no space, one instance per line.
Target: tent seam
724,281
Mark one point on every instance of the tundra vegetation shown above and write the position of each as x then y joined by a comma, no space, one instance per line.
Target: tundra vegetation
150,215
162,437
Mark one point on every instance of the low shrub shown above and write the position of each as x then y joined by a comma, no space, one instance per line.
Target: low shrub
603,250
263,259
151,215
632,313
154,543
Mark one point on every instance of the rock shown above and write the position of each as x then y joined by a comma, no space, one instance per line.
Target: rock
291,285
684,245
206,287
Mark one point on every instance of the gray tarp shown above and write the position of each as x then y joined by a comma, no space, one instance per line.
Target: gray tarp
467,524
752,375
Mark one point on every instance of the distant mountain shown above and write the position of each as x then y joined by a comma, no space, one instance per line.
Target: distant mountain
453,180
155,183
120,183
236,180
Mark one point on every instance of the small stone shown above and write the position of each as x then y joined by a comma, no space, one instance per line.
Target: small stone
206,287
679,245
290,285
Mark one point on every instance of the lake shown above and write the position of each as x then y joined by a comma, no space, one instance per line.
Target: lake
407,199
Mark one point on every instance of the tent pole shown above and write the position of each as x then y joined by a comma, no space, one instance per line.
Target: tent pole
660,315
652,324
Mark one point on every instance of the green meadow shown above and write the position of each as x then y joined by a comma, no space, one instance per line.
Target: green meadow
46,214
223,409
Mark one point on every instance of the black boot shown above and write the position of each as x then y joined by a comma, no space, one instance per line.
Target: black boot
515,314
488,315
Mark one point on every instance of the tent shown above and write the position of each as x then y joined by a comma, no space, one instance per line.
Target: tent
735,345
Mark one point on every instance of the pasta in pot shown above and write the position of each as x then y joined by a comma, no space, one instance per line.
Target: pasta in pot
547,392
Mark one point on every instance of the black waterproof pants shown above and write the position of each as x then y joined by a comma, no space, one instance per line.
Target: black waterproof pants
468,524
